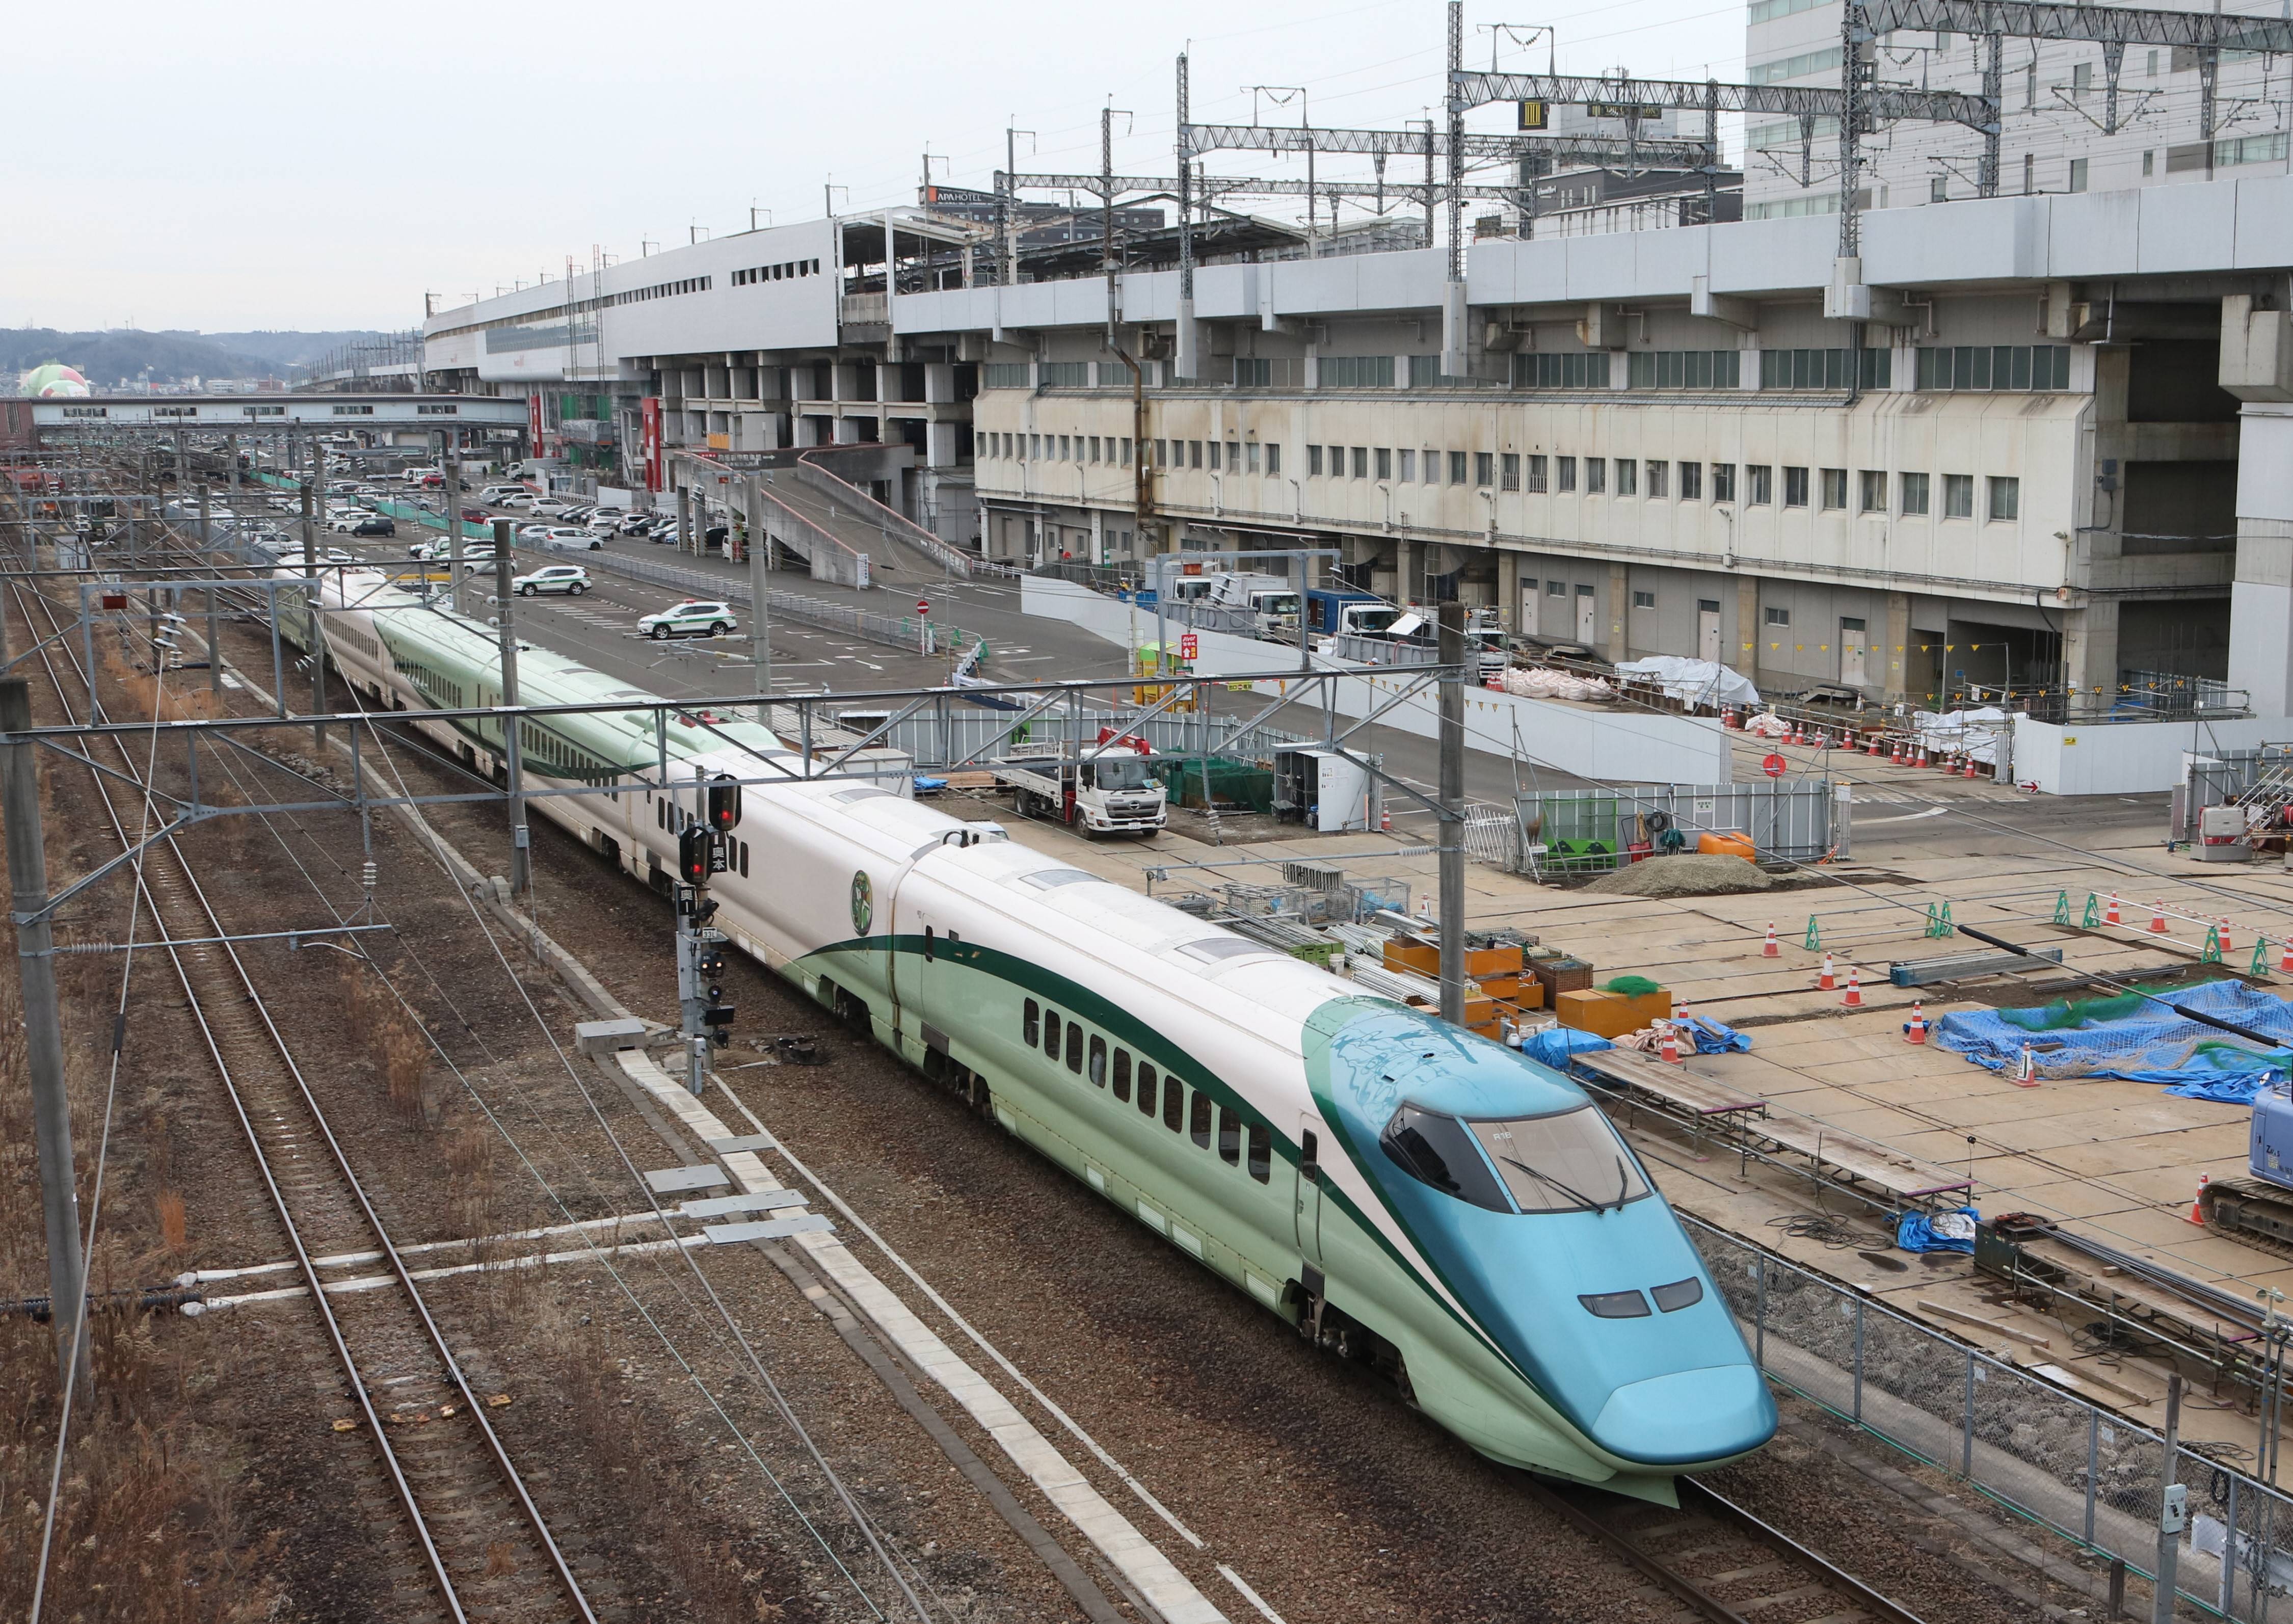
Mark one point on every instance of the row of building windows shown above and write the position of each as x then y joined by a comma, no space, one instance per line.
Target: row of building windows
788,269
1056,448
1963,367
1538,474
2002,366
1684,369
659,290
1089,1055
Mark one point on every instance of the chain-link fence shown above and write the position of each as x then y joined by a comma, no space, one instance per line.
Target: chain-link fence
2087,1475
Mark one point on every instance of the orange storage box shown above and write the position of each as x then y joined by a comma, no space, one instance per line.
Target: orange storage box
1612,1014
1424,959
1726,843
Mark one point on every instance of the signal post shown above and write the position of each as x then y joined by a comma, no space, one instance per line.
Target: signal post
700,852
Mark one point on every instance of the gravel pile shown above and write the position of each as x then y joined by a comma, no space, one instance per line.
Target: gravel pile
1689,875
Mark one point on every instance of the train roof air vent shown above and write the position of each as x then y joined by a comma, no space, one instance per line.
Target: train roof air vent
1210,950
1052,879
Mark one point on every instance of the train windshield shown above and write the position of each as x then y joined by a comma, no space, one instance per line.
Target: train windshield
1122,773
1570,1162
1437,1150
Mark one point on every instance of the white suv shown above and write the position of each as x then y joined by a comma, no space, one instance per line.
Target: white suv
563,537
570,578
695,617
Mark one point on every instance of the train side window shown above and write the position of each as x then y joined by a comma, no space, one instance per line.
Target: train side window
1261,1152
1146,1089
1074,1047
659,815
744,859
1229,1137
1099,1062
1052,1033
1174,1108
1031,1023
1123,1075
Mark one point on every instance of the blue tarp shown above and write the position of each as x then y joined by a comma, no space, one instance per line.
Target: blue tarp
1554,1045
2152,1044
1951,1231
1712,1037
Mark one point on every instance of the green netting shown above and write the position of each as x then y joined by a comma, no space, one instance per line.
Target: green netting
1228,781
1630,987
2067,1014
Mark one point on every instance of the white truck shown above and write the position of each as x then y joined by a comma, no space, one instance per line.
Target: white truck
1113,793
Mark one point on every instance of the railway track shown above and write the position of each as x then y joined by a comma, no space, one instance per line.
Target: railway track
1716,1561
468,1509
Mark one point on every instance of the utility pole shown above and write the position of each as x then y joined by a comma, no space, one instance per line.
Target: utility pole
1451,653
207,547
453,529
318,639
2173,1512
521,875
43,1042
760,602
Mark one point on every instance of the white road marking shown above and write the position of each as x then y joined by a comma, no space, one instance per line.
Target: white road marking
1905,817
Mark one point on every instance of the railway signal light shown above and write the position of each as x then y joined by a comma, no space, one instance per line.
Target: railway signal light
711,963
695,854
724,803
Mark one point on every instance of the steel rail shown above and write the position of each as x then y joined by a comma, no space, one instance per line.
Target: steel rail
473,1406
1698,1500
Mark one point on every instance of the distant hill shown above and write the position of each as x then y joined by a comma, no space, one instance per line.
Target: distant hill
105,359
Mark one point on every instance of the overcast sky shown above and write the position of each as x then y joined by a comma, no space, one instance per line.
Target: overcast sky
230,165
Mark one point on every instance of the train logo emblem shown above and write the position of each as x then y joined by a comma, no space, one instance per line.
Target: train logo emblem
863,902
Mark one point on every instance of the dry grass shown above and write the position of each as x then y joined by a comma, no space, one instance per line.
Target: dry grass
174,1229
147,1530
380,1026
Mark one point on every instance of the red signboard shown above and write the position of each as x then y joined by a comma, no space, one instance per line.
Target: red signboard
650,418
1774,767
533,425
1187,646
923,605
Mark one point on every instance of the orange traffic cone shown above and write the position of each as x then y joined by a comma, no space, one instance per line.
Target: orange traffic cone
1668,1045
2285,960
2110,916
1854,998
1916,1030
2157,919
1768,950
2198,1201
2028,1075
1385,820
1970,767
2226,945
1828,981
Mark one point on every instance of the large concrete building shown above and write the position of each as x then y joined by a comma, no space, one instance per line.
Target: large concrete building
2023,467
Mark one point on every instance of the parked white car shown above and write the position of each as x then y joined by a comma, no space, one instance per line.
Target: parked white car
570,578
695,617
562,538
549,507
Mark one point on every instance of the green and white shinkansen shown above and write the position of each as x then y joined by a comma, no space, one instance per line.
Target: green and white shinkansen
1402,1191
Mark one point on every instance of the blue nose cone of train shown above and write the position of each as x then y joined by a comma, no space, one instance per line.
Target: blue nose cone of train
1608,1313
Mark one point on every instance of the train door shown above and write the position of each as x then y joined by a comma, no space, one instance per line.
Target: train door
1307,1206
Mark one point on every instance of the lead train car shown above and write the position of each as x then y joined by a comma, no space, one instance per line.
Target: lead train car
1406,1192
